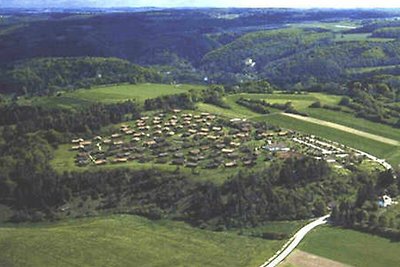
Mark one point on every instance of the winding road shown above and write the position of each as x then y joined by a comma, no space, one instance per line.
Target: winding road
293,242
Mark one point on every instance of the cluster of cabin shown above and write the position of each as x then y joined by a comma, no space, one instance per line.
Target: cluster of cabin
200,140
183,139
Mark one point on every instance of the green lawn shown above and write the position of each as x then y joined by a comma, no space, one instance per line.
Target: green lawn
128,241
111,94
352,247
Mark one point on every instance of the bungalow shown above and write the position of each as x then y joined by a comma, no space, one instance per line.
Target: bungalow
117,143
163,155
176,110
227,150
235,120
120,160
97,138
178,155
77,141
179,161
115,135
204,114
197,117
212,137
171,133
284,133
150,143
194,152
107,141
86,143
248,163
230,164
100,162
203,148
217,129
144,118
191,165
211,117
235,144
129,132
192,131
204,130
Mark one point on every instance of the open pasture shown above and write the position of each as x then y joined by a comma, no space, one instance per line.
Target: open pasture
111,94
351,247
126,240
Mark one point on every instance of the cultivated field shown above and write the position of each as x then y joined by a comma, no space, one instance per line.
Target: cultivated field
352,247
128,241
300,258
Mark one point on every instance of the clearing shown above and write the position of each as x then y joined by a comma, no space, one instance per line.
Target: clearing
111,94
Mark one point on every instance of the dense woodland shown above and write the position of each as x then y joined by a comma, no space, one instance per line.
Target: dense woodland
46,76
192,45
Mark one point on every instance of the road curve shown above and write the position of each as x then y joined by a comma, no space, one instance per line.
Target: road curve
293,242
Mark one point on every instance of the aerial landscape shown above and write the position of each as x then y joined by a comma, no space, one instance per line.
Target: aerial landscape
199,133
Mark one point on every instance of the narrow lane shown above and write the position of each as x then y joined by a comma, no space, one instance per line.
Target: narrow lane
293,242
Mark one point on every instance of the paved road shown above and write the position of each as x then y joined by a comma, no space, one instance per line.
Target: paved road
293,242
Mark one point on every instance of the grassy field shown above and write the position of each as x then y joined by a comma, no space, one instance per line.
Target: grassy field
352,247
111,94
351,37
369,69
128,241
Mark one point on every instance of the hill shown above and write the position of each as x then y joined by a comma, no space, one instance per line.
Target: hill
46,76
127,241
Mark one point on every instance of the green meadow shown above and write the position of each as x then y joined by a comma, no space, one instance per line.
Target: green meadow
125,240
352,247
111,94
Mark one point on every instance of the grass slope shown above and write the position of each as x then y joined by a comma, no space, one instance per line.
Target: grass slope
111,94
352,247
127,241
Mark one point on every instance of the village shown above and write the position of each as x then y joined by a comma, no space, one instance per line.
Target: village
204,140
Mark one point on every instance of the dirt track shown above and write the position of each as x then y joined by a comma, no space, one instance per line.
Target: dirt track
345,129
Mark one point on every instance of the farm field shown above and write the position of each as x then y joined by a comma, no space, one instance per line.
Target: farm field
127,241
300,258
111,94
351,247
